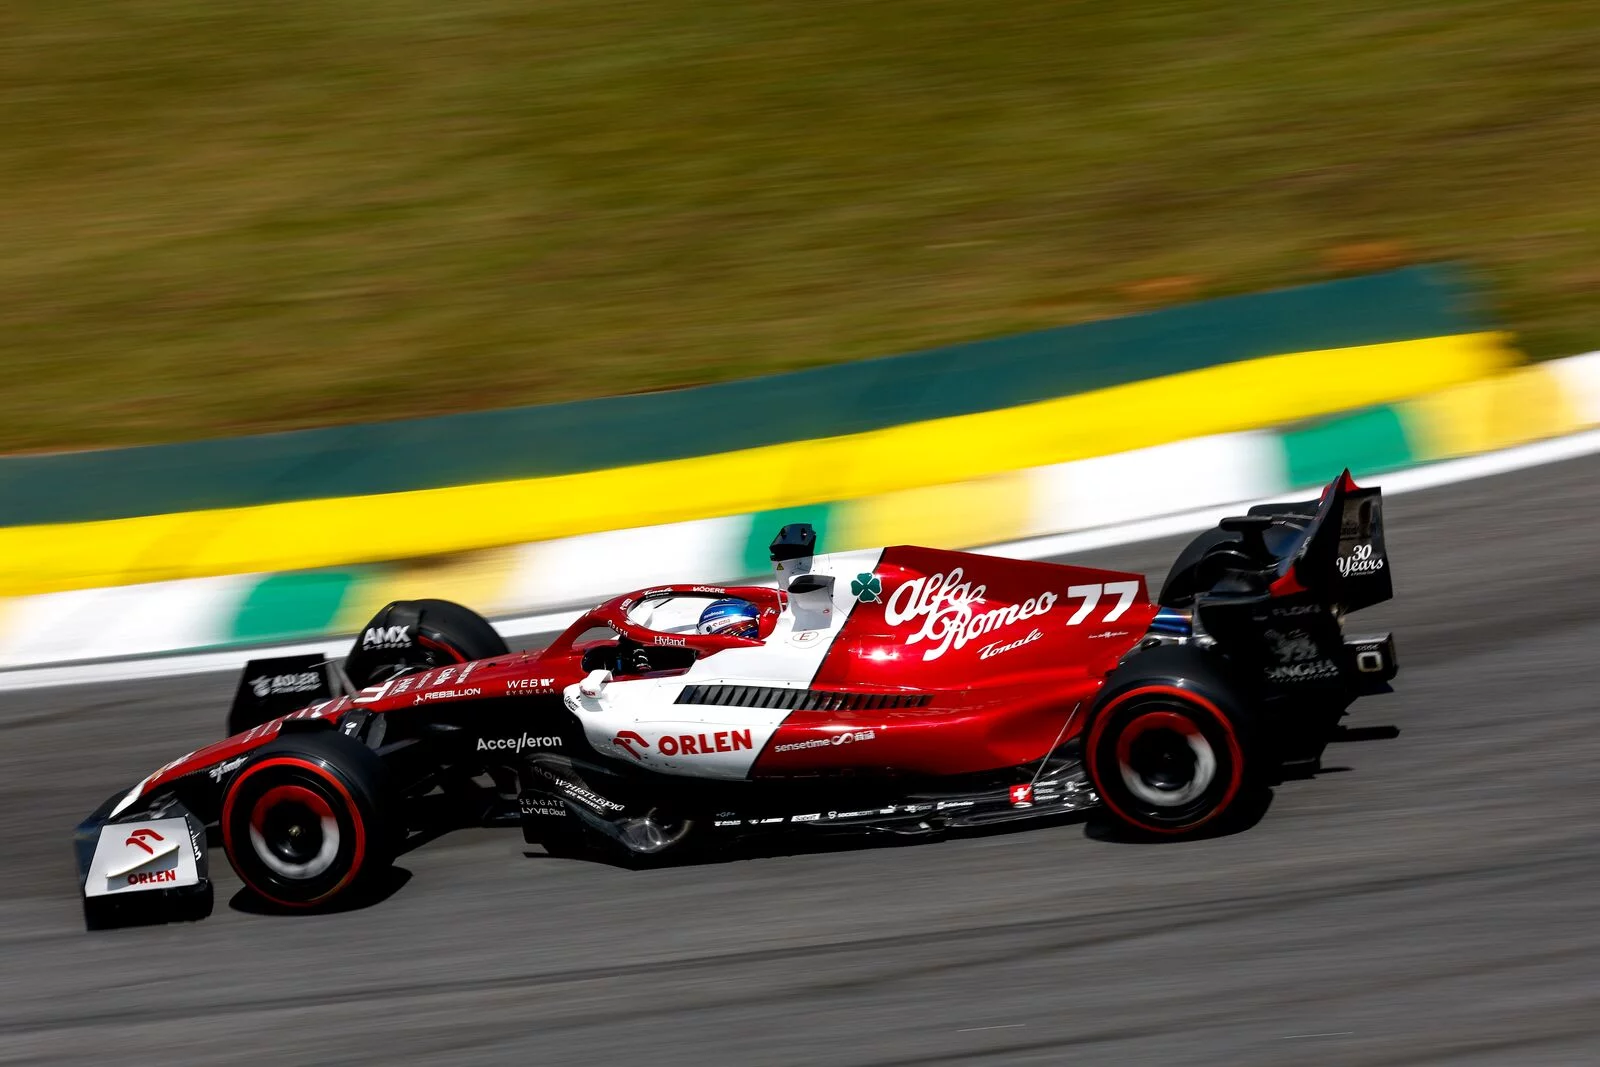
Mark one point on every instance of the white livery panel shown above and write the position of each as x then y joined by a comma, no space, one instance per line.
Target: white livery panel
640,720
137,856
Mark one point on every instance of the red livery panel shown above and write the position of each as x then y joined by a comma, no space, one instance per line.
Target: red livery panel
1007,649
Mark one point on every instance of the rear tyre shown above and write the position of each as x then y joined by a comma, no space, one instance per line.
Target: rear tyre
445,633
1168,747
308,821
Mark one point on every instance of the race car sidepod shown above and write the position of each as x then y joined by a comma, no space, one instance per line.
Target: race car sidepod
142,869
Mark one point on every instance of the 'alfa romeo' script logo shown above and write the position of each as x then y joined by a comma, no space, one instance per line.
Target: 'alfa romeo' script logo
944,604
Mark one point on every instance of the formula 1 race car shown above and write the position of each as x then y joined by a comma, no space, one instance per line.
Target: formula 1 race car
904,690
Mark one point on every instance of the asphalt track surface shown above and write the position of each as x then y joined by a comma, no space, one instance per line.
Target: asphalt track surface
1429,898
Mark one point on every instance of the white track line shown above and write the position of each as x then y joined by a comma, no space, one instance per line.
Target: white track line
1410,480
1429,476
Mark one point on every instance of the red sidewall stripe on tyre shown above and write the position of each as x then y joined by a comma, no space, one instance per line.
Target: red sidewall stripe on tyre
1188,696
350,806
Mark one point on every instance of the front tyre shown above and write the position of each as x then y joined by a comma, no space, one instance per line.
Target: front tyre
413,635
1167,748
307,821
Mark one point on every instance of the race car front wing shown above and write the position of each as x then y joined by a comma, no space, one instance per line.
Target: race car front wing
149,868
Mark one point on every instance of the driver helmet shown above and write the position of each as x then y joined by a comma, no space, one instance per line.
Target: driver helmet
730,616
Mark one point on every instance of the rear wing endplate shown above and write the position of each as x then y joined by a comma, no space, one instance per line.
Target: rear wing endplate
1341,558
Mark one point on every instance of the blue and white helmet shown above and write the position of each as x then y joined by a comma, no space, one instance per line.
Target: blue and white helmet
730,616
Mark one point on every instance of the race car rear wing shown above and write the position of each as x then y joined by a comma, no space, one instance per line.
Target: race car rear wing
1340,557
1317,561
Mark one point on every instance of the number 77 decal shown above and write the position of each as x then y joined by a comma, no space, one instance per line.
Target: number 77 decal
1126,591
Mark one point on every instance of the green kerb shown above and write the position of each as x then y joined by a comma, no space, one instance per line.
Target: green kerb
300,604
1367,442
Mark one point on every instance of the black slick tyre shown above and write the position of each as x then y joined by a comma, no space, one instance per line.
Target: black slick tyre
308,821
446,633
1168,744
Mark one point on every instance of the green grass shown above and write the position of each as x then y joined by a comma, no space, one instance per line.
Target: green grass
219,216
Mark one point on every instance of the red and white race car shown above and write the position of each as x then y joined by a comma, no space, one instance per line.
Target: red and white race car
902,690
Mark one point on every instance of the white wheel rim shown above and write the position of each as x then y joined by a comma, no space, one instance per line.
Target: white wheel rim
1205,771
313,867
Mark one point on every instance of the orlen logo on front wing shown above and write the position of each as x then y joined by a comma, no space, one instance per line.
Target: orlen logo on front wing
142,837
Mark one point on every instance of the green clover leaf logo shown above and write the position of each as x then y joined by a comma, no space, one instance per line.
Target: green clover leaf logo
866,588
